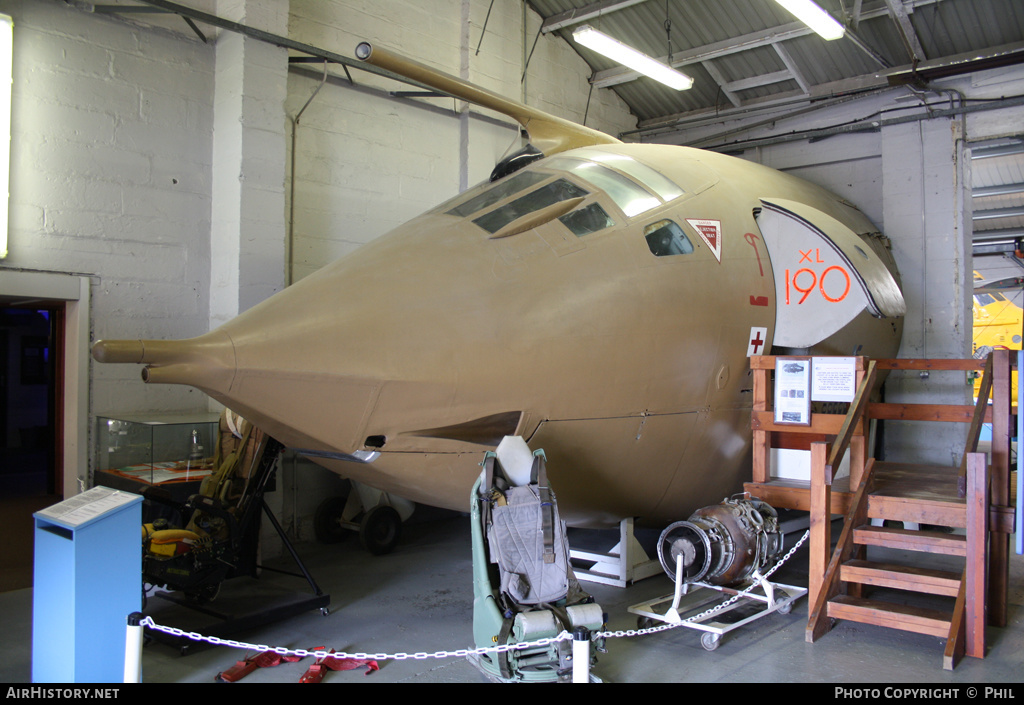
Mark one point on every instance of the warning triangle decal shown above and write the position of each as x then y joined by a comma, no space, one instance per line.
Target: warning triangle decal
711,232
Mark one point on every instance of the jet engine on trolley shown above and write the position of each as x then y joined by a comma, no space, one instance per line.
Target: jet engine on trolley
723,544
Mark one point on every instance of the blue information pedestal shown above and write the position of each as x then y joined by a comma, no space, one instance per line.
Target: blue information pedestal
88,579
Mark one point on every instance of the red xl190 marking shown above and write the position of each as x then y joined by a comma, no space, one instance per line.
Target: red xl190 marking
816,282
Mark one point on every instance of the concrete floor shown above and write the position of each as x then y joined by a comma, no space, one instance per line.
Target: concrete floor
419,598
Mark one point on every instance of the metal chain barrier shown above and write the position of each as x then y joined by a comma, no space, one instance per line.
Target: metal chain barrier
458,653
302,653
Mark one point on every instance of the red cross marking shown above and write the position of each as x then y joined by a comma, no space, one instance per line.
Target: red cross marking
757,342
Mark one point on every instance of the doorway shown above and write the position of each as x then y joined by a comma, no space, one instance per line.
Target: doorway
30,396
31,400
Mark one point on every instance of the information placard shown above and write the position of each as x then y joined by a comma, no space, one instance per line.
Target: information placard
793,390
86,506
834,378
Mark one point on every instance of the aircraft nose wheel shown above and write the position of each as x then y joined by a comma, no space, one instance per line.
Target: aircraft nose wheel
379,530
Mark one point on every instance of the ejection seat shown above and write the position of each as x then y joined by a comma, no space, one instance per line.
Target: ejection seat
524,588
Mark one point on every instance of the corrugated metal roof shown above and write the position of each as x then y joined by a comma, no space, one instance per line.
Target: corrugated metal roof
745,52
998,183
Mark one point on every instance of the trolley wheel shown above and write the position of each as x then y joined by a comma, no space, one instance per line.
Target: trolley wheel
644,622
327,520
324,611
710,641
786,608
379,530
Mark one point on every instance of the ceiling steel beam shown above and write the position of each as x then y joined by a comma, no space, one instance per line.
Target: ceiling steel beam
854,18
793,68
1003,150
718,78
1000,190
772,35
613,77
582,14
1012,212
990,236
826,92
910,39
996,248
862,126
998,242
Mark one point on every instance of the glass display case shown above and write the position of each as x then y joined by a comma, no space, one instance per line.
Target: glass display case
157,449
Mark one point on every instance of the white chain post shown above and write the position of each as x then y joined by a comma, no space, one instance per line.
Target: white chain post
581,655
133,649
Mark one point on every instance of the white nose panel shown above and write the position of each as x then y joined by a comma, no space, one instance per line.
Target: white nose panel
825,274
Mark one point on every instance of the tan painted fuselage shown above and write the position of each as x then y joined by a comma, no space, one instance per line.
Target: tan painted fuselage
429,344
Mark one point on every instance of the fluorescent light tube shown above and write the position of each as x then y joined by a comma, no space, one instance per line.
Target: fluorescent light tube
814,17
6,73
628,56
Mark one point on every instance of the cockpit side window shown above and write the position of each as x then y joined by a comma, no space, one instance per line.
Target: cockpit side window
520,182
548,194
665,238
586,220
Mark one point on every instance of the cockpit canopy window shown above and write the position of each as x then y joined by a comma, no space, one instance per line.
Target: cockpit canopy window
986,299
499,191
653,180
634,187
665,238
628,195
546,195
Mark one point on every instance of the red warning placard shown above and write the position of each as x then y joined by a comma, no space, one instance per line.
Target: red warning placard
711,232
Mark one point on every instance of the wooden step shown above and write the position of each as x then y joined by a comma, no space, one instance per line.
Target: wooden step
910,540
885,614
926,580
926,494
919,511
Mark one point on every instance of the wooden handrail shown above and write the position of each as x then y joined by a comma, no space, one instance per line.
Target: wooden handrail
853,418
974,432
894,411
966,364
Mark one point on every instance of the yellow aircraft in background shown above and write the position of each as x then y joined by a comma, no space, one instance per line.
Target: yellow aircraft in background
998,323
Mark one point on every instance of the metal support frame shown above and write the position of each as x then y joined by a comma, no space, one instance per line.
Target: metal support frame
624,563
775,597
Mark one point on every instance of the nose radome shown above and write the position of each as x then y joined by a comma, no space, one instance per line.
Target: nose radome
206,362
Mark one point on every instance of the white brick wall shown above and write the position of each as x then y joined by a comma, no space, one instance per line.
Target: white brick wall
111,176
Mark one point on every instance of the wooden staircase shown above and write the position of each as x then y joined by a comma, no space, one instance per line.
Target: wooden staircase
884,570
916,495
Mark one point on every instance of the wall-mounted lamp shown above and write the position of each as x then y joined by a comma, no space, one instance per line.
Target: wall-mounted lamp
814,17
628,56
6,79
